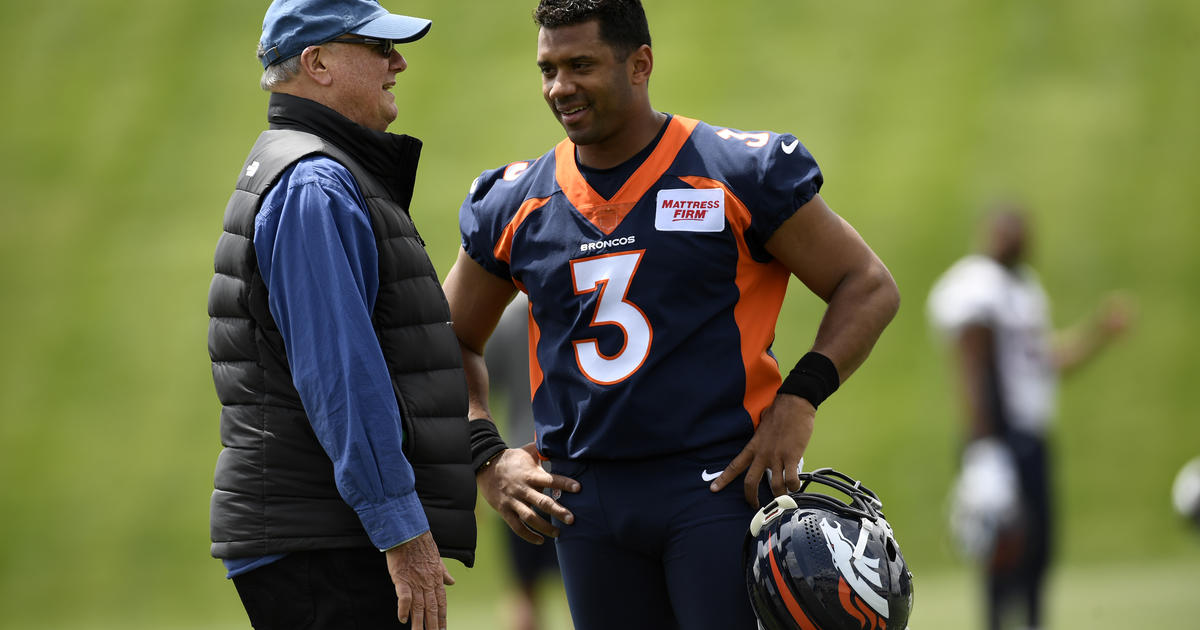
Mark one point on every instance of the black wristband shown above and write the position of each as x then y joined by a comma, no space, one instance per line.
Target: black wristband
814,378
486,442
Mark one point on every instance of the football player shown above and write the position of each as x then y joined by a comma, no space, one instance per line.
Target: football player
995,314
655,250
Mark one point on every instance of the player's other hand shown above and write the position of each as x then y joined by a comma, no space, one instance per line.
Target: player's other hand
1117,313
513,483
421,580
777,447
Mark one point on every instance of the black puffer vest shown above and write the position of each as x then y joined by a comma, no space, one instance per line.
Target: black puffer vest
274,484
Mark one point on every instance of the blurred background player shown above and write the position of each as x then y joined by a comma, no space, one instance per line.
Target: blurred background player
994,311
656,251
507,357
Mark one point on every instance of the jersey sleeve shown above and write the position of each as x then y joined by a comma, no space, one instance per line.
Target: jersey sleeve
492,203
482,219
773,174
789,178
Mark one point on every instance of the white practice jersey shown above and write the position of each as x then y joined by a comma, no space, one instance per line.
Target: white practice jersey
979,290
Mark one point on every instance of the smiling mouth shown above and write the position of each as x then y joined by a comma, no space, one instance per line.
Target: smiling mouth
571,114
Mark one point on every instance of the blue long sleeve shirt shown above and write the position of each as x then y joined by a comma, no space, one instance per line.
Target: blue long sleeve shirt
317,255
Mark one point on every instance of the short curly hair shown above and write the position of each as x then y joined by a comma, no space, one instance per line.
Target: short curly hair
622,22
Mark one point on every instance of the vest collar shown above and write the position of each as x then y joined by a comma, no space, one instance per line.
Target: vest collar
391,158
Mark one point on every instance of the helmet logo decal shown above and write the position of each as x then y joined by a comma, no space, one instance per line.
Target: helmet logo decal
860,572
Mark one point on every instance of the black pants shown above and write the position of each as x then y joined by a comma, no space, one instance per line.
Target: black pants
1016,586
335,588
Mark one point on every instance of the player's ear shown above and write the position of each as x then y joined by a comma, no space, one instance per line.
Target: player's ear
640,64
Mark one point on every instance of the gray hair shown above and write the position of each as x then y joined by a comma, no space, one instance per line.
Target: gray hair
278,73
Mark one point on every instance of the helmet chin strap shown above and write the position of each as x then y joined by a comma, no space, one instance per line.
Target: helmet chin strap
770,512
864,534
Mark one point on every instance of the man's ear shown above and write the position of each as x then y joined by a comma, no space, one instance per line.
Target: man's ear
312,64
641,64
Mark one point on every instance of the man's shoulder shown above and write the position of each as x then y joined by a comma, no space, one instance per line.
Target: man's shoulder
513,183
974,273
318,175
982,269
735,142
737,152
967,292
320,170
320,165
771,173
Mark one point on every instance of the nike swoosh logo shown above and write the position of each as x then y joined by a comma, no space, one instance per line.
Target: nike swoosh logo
707,476
789,147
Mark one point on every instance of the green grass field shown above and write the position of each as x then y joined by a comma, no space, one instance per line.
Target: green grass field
124,124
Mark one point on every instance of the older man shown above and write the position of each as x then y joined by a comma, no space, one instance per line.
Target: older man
344,400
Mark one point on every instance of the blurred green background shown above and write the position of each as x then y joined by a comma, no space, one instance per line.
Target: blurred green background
124,124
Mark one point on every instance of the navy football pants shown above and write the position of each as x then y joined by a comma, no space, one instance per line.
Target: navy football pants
652,547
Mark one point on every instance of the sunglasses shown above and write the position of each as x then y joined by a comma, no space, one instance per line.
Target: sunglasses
382,46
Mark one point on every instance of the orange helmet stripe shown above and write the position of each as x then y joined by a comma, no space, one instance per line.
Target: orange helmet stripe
848,603
865,616
785,593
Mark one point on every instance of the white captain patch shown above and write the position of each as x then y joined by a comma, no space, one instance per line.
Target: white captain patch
690,210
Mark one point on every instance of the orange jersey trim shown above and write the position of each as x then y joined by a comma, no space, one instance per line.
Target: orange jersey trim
503,248
761,291
536,376
607,214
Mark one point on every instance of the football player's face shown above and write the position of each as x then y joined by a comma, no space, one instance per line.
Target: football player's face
587,88
1009,238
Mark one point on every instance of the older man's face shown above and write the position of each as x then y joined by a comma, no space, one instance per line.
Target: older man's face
362,80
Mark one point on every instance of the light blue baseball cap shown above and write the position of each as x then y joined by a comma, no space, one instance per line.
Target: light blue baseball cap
290,26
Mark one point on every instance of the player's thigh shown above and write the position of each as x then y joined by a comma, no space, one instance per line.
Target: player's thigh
610,580
610,587
704,572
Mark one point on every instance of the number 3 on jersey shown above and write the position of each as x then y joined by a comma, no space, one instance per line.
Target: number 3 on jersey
610,275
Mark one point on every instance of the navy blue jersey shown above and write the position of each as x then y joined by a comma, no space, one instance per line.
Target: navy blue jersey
653,312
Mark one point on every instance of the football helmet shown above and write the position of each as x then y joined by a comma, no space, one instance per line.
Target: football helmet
816,562
1185,492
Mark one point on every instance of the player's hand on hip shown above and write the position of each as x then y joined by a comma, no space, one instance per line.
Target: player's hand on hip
421,580
513,483
777,448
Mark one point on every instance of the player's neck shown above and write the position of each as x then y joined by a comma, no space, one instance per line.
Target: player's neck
625,144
